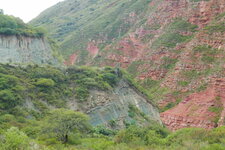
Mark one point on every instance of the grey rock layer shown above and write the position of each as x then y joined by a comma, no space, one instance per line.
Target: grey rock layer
103,106
20,49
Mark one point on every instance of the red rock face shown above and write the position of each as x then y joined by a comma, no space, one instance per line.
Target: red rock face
205,10
72,60
92,49
194,110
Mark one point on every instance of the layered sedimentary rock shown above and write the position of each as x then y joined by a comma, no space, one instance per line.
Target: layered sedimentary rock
103,107
204,109
21,49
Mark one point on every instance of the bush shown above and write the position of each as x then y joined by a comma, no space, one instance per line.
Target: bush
14,140
10,25
82,93
8,99
43,82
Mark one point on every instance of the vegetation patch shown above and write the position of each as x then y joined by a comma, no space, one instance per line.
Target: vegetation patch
207,53
173,35
10,25
217,108
169,63
218,27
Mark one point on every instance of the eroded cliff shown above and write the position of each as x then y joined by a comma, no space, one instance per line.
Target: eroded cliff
22,49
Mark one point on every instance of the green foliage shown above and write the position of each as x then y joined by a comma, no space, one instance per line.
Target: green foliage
218,27
182,25
51,85
60,123
208,53
42,82
102,130
82,93
14,139
141,136
169,63
10,25
133,112
217,108
171,105
170,40
7,99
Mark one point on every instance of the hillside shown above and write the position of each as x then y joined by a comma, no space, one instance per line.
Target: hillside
104,94
39,110
175,48
79,25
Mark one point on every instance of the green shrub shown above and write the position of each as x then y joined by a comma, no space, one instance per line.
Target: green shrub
82,93
10,25
183,83
8,99
14,139
43,82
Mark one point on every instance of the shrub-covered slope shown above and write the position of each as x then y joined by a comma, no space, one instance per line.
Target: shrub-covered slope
105,95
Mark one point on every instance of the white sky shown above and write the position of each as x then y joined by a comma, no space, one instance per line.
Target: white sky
26,9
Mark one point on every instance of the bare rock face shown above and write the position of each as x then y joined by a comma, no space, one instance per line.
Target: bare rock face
20,49
103,107
204,109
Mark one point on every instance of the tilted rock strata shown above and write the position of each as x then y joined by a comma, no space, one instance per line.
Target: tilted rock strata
194,111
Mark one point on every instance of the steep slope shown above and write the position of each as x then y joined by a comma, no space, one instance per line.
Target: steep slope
22,49
20,43
80,25
175,48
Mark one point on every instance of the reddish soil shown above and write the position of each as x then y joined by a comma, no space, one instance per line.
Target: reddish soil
194,111
92,49
72,60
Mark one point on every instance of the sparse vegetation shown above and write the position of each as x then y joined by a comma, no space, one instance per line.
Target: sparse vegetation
173,34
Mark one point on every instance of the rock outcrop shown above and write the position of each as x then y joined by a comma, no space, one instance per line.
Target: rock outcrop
203,109
103,106
21,49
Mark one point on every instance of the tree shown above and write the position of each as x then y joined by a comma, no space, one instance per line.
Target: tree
61,123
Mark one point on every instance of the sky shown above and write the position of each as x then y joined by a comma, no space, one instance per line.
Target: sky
26,9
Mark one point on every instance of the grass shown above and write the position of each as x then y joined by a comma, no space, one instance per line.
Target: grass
96,20
170,40
217,27
169,63
217,109
207,53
